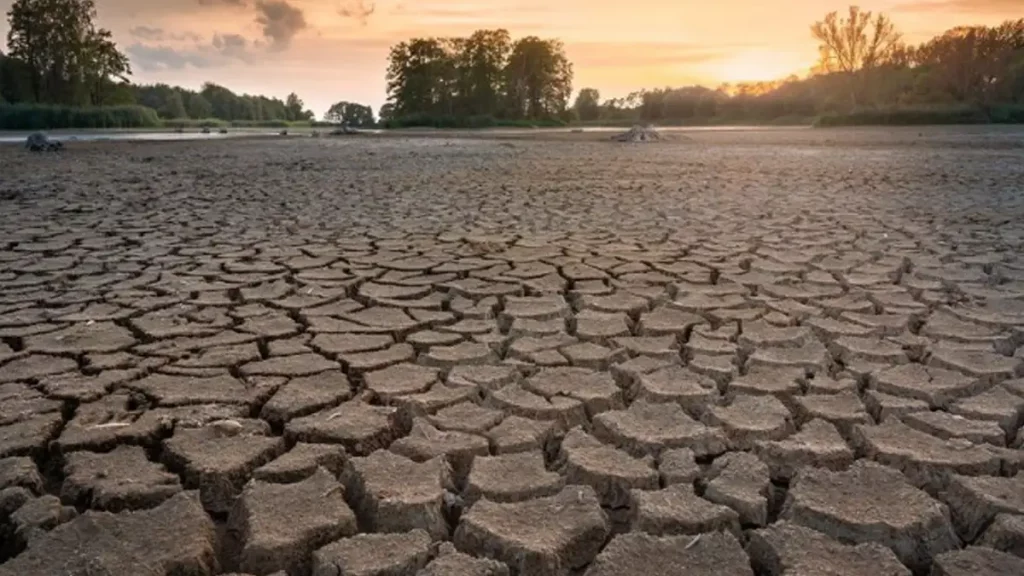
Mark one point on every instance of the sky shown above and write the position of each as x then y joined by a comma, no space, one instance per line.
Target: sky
332,50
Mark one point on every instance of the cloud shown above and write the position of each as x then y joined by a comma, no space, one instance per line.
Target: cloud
154,58
152,34
1007,7
281,22
223,50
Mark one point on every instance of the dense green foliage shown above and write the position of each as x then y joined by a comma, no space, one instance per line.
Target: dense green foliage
47,116
925,116
443,81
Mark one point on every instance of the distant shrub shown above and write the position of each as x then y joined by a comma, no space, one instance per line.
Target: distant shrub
195,123
1006,114
432,121
218,123
907,117
47,117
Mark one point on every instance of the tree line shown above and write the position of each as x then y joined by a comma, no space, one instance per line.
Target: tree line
61,69
485,76
865,73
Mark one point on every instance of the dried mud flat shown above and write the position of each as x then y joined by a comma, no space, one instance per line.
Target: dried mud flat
757,353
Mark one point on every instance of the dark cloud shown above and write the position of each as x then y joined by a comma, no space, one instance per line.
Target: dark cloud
357,10
233,46
281,22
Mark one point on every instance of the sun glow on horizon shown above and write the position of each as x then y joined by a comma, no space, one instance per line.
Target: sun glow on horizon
757,66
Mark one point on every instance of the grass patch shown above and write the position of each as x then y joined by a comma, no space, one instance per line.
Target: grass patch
919,117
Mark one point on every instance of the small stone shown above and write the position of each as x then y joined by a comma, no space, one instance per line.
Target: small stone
786,548
817,444
977,561
714,554
548,536
374,555
393,494
648,429
610,472
511,478
872,503
120,480
280,525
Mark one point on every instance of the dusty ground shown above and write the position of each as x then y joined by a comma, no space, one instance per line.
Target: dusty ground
771,352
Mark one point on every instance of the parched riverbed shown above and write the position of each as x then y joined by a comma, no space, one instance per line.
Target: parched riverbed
760,352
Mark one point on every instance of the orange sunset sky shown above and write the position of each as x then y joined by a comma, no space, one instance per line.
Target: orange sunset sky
330,50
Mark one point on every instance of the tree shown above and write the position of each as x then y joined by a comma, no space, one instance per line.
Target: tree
857,43
386,112
173,107
479,63
419,77
296,109
974,63
199,107
588,104
350,114
68,60
538,79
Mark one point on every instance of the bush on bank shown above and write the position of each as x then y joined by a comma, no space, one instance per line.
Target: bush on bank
1005,114
432,121
47,117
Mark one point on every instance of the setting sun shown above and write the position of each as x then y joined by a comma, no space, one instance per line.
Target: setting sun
757,66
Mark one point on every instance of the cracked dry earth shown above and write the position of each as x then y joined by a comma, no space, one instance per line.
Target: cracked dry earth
766,353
